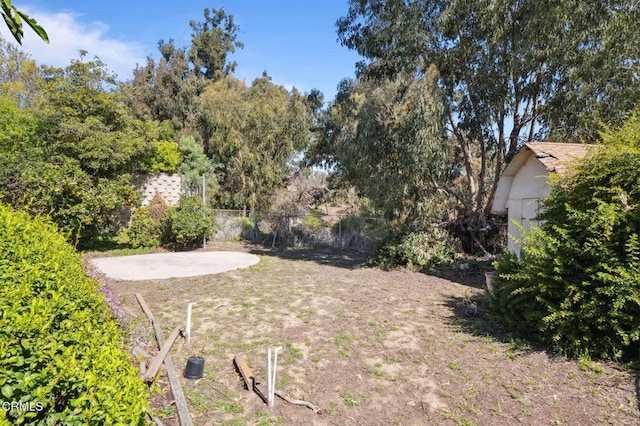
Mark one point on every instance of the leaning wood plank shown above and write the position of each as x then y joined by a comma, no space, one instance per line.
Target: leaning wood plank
174,380
159,359
145,307
244,369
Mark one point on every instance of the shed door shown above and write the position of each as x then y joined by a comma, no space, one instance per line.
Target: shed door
529,212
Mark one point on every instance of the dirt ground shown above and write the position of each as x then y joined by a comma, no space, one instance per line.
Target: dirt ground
368,347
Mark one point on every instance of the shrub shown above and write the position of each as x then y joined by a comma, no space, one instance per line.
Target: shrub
313,222
416,250
247,227
576,286
184,227
143,232
60,349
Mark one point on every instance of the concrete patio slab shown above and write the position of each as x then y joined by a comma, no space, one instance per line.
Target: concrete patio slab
168,265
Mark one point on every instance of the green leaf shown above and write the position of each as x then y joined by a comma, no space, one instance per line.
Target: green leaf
6,391
34,26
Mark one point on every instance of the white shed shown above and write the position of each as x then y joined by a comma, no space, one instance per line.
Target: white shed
524,182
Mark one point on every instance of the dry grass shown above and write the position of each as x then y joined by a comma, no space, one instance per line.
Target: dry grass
369,347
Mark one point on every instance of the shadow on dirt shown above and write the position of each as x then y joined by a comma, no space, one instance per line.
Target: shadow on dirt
472,317
329,256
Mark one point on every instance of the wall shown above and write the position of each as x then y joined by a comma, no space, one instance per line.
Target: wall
528,186
169,187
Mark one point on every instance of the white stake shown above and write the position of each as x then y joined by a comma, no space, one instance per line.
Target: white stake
269,385
188,331
273,379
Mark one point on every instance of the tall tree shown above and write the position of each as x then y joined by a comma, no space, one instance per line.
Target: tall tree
211,42
165,90
19,74
253,133
168,90
387,139
511,70
92,122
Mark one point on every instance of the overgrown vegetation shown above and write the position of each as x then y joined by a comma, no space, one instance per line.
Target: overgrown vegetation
178,228
60,349
184,226
576,286
417,250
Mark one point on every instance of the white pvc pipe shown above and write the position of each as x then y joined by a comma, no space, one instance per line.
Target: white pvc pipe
188,328
273,379
269,385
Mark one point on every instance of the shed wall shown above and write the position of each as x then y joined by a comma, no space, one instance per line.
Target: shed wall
528,187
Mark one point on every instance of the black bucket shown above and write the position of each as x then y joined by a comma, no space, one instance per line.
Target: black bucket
194,368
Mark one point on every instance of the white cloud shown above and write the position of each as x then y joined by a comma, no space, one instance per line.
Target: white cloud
68,35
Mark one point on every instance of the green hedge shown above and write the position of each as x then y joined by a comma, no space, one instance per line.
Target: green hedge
576,286
61,353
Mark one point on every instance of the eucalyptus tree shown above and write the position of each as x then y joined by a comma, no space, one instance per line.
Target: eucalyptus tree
511,70
253,133
387,139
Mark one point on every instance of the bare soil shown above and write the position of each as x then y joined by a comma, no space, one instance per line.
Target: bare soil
369,347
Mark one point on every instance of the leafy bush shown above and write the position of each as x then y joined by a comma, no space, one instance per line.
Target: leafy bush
143,232
60,349
247,227
183,227
313,222
576,286
417,250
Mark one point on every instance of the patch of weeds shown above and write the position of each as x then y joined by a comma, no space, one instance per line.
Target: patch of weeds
394,360
164,412
586,364
292,353
459,420
471,407
497,408
268,419
596,391
198,402
284,380
526,411
331,407
316,358
227,407
373,371
516,346
343,343
380,389
349,399
472,392
513,391
454,365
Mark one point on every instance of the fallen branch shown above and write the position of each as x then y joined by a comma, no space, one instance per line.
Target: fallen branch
298,402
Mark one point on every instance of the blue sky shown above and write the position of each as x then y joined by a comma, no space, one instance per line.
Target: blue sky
293,40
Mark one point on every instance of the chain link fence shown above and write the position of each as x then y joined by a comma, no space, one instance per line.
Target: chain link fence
345,232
